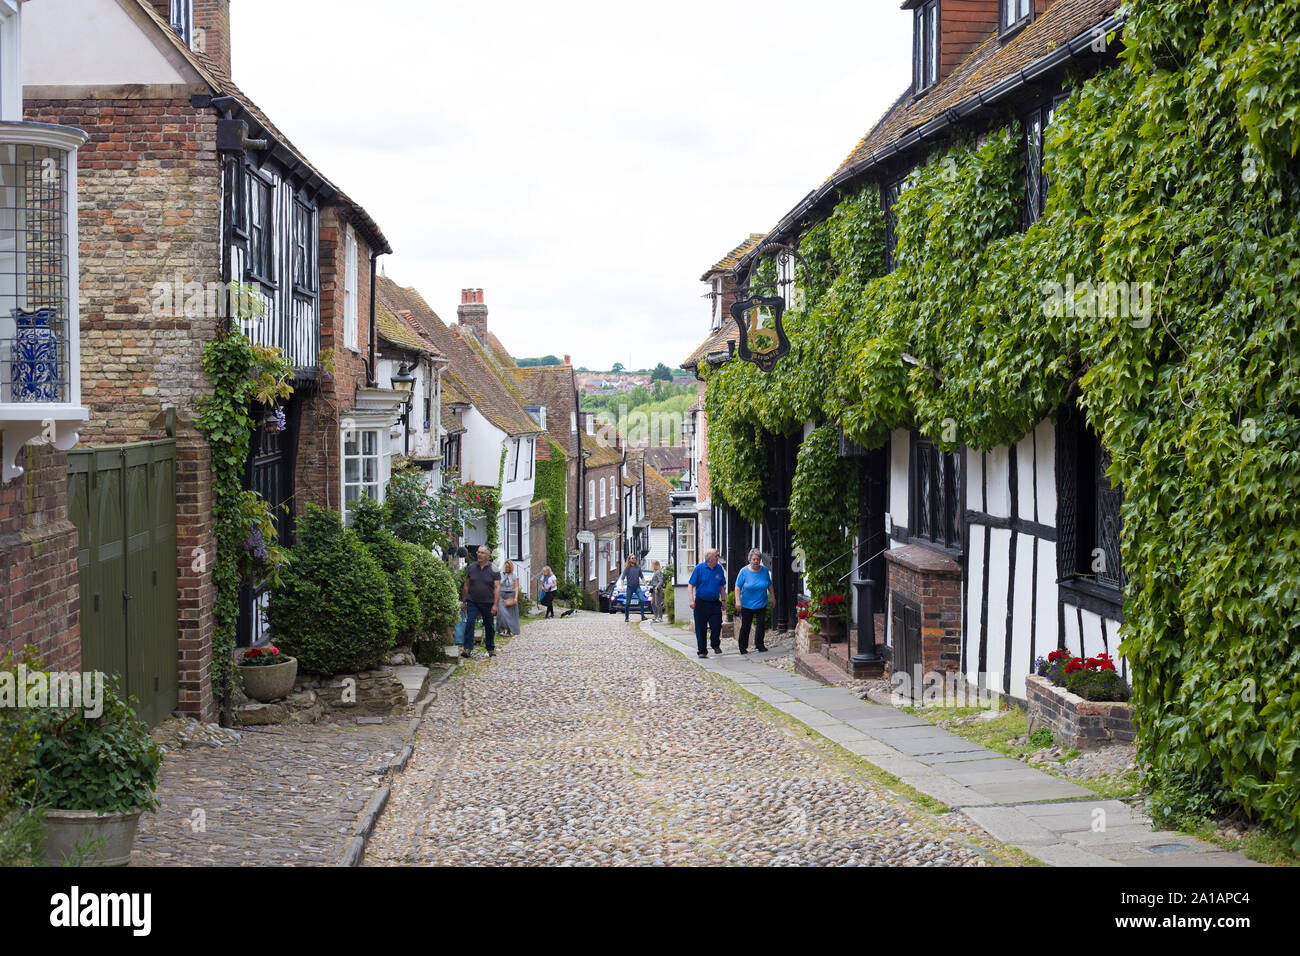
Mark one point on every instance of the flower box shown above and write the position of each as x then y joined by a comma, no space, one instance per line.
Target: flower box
1075,722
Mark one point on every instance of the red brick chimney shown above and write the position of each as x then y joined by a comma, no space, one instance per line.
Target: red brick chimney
566,360
472,313
210,28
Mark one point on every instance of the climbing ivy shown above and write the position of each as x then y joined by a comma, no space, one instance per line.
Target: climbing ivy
823,509
550,484
1173,175
242,376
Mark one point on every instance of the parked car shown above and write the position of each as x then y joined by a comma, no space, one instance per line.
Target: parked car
618,597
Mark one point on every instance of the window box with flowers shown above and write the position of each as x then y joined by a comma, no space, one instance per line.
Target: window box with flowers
826,616
268,675
1083,702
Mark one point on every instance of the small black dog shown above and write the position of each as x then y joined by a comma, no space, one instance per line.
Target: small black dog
572,610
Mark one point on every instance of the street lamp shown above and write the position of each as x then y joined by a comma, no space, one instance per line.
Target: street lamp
404,382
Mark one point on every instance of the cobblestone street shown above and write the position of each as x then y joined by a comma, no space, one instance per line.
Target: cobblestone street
584,742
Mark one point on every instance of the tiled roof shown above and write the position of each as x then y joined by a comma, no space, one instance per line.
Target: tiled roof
666,459
990,64
554,387
716,342
658,499
393,330
728,262
469,372
222,85
600,453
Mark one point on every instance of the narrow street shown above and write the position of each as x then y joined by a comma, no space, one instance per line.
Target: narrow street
586,743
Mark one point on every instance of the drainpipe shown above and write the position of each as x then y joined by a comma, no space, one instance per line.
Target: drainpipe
374,298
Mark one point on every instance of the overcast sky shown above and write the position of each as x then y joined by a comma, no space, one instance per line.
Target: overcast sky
581,162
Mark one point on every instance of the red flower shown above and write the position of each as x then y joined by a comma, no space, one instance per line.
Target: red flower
275,650
1056,655
1075,665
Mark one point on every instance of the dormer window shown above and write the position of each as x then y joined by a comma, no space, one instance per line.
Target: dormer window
1015,14
182,19
925,47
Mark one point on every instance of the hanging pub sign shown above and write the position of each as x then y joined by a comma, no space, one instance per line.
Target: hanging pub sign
762,336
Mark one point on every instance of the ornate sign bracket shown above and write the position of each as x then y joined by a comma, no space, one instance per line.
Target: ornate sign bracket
761,344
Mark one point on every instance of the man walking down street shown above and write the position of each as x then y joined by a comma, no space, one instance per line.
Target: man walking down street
480,597
705,588
753,596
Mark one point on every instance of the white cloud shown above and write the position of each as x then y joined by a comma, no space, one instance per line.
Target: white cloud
582,162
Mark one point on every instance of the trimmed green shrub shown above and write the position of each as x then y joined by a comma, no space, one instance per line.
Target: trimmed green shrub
1097,685
435,589
370,522
333,609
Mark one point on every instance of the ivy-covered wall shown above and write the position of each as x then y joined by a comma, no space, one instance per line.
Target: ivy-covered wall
549,488
1175,193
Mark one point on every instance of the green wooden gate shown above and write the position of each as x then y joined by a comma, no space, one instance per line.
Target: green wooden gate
122,499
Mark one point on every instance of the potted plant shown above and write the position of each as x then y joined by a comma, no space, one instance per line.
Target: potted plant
268,675
94,775
829,615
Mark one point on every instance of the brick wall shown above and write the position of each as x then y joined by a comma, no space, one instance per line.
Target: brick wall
1075,722
39,586
318,480
932,581
150,204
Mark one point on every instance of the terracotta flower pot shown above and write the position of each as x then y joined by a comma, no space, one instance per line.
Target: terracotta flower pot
269,682
106,838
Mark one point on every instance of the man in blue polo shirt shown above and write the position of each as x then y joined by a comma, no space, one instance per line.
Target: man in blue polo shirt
706,587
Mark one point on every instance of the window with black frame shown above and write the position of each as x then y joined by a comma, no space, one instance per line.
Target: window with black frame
261,259
936,493
925,49
303,247
1036,181
1088,510
889,198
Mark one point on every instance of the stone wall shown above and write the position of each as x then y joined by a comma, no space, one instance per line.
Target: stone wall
1075,722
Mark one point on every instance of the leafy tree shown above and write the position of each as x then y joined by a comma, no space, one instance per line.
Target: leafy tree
661,373
618,367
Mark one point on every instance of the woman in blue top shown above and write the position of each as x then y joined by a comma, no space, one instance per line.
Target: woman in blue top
753,594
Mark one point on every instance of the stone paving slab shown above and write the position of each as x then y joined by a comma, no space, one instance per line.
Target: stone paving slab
1044,815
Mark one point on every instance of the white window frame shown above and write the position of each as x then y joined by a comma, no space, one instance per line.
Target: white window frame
350,293
687,547
603,498
375,489
512,466
591,498
515,534
531,447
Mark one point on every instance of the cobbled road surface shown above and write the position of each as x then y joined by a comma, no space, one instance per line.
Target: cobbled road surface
586,743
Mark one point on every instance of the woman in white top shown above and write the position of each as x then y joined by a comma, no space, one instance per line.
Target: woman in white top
549,586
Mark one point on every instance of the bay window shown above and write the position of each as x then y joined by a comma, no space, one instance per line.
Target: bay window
365,467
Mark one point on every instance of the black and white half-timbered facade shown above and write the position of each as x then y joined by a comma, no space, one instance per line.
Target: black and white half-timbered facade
973,562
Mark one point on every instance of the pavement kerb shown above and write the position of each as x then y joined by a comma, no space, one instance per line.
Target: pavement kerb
355,851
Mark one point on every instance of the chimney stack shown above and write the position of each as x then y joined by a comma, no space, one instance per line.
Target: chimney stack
209,28
472,313
566,360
